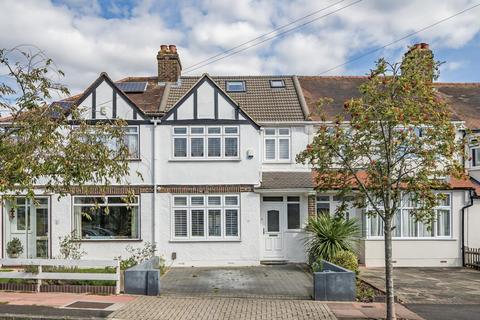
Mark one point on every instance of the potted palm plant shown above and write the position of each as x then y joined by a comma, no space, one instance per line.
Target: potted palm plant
14,248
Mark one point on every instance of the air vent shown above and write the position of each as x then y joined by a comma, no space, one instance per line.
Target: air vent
132,87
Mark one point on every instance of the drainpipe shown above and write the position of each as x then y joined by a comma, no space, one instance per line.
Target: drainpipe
463,225
154,181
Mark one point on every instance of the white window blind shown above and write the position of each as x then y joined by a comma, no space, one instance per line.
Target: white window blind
180,221
198,226
277,144
231,222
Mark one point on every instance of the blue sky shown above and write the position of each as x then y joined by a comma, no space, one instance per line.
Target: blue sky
86,37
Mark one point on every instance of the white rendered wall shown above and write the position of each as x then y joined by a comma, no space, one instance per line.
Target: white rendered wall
472,225
421,252
212,253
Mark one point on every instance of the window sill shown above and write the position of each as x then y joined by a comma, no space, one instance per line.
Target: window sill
107,240
203,240
277,162
294,231
411,239
134,160
205,160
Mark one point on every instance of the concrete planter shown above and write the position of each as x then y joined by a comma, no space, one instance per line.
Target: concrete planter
334,283
143,278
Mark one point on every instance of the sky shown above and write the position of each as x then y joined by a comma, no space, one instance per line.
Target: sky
121,37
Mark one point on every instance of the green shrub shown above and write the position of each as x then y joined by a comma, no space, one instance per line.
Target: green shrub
346,259
14,248
328,235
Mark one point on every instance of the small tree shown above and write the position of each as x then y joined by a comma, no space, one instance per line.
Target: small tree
397,139
50,144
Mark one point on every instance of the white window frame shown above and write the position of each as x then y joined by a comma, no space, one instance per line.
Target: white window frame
277,137
228,82
403,215
475,161
205,135
299,202
206,207
105,204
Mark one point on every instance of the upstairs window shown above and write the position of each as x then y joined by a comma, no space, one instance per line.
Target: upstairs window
475,157
210,142
277,83
235,86
277,144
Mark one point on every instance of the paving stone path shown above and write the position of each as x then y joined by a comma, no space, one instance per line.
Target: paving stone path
190,308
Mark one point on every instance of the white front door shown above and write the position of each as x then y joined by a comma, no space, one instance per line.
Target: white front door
273,226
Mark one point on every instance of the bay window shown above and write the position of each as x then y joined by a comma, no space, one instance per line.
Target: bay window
210,142
110,217
406,226
277,144
212,217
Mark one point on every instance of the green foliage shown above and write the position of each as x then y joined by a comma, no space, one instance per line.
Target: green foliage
365,293
327,235
14,247
40,142
317,265
70,247
31,269
137,255
347,260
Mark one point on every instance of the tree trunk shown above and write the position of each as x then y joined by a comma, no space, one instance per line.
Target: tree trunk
389,269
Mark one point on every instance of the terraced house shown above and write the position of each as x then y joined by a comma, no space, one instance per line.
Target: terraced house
219,184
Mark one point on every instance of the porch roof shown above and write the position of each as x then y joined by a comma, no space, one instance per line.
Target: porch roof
287,180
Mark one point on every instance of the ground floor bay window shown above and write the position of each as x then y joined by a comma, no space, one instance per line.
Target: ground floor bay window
406,225
103,218
212,217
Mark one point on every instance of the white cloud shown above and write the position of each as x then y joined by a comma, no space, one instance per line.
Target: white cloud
83,43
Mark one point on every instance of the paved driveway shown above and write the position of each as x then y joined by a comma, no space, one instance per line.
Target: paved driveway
434,293
280,282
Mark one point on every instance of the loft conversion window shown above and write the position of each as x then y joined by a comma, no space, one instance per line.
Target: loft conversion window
212,217
276,144
277,83
206,142
235,86
111,217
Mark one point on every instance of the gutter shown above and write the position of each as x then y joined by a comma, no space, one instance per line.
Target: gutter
301,97
463,225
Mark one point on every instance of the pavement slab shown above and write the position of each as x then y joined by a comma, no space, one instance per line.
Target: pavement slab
359,310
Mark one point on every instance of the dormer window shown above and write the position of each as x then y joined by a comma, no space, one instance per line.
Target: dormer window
235,86
277,83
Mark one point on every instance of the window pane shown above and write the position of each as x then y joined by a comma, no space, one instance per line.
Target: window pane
117,222
123,200
215,223
270,149
231,200
180,145
443,223
323,198
197,200
284,148
273,221
270,132
231,130
273,199
293,199
323,208
180,221
214,147
283,132
410,226
132,144
375,227
293,216
235,86
214,130
445,202
89,200
197,223
277,83
21,218
180,130
231,222
214,200
196,130
196,147
180,201
231,147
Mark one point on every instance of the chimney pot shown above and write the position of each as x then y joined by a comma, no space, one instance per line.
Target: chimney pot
163,48
173,48
424,45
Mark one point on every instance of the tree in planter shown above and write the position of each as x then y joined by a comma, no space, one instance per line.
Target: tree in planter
50,144
14,248
399,141
327,235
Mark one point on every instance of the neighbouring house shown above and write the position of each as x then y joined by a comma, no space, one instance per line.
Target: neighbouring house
220,182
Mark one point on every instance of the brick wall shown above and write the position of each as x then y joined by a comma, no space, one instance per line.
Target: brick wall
312,205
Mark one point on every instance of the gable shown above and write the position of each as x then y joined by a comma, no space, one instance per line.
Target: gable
206,103
103,100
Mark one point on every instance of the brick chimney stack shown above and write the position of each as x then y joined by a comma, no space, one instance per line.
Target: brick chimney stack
169,66
419,52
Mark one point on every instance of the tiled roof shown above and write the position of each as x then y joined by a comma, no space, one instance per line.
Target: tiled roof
286,180
259,101
149,100
464,101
